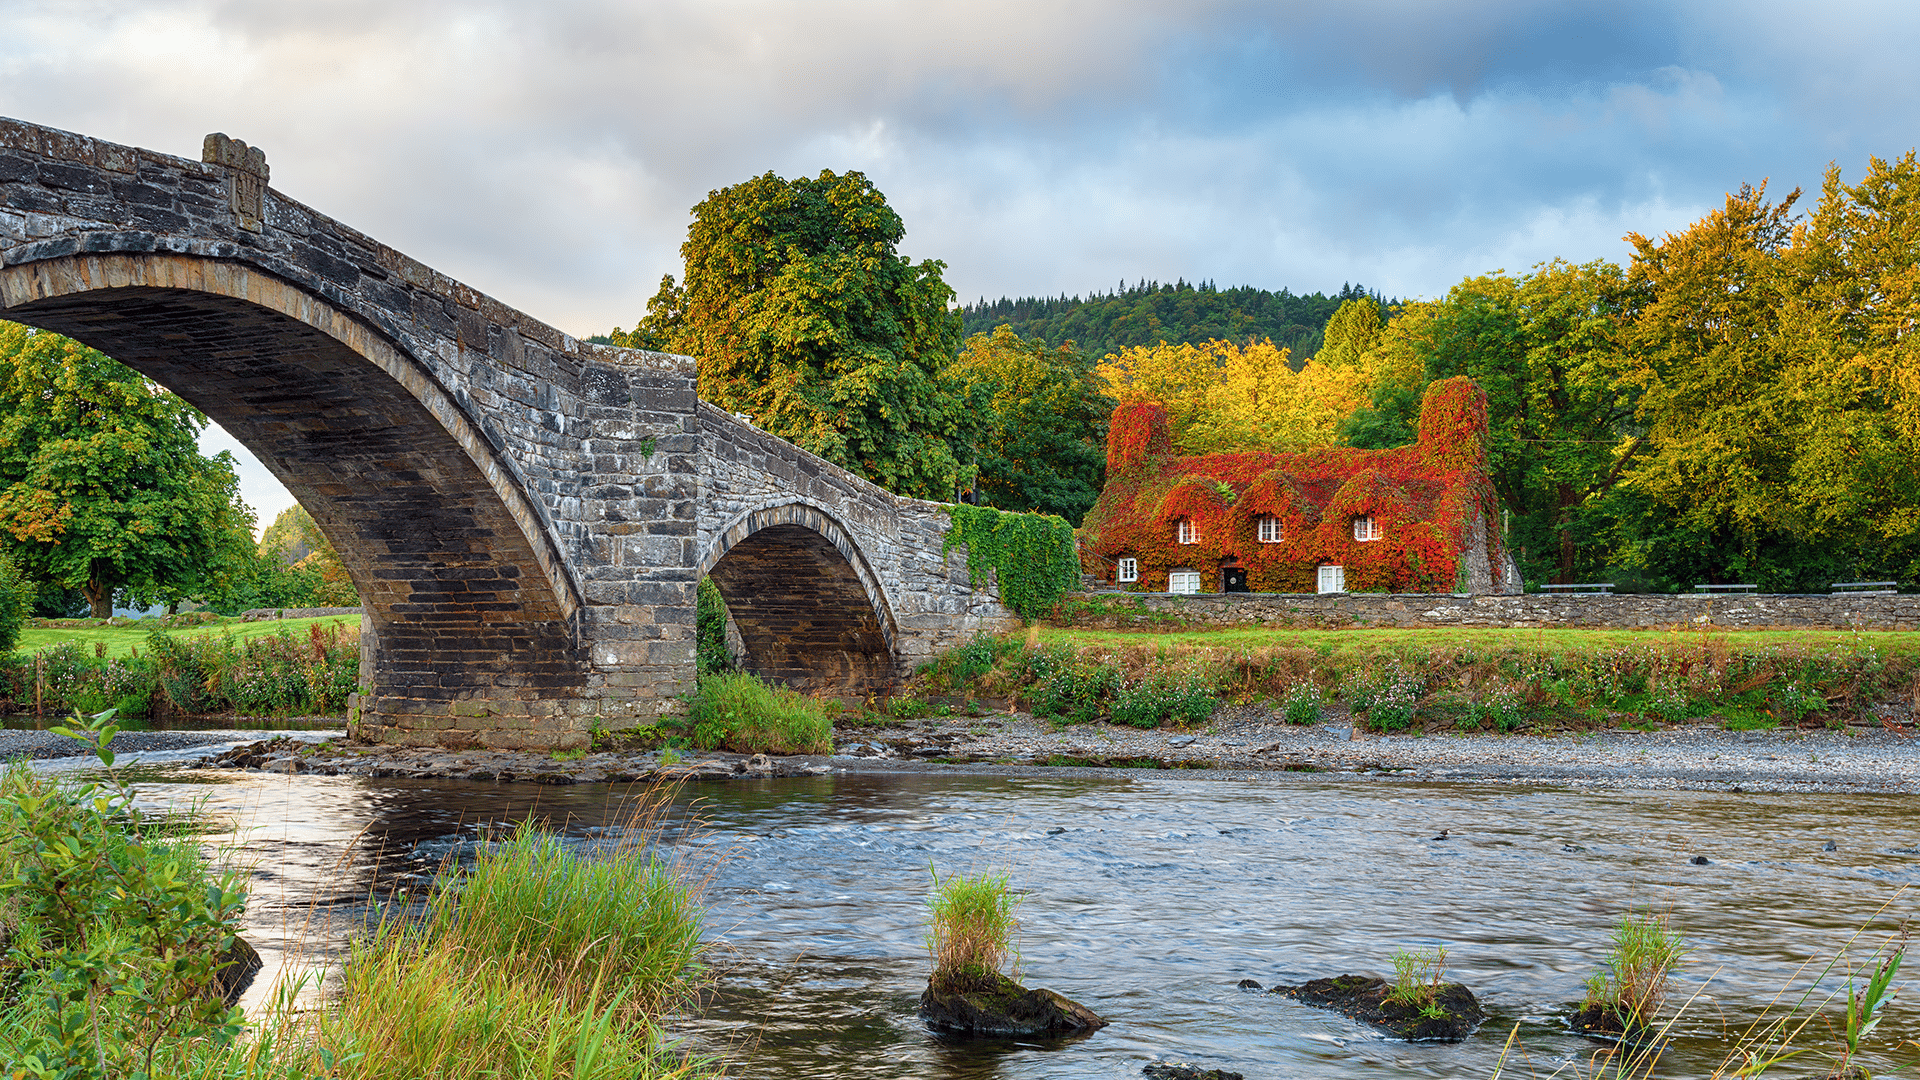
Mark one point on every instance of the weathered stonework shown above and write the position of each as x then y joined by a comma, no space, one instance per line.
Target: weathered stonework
1610,611
833,582
522,513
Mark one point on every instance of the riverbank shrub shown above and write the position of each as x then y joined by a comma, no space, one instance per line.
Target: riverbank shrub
1398,685
738,712
279,673
115,930
970,926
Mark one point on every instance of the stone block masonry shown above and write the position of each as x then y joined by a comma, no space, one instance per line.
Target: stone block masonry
1591,611
525,515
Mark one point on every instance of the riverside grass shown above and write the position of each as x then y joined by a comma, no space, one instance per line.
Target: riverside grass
1424,680
970,925
539,964
739,712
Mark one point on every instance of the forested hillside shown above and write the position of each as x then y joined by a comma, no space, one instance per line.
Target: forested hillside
1147,313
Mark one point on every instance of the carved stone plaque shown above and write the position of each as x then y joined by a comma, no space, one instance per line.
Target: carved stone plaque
246,177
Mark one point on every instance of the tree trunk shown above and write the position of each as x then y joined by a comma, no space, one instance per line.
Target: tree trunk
1568,500
99,594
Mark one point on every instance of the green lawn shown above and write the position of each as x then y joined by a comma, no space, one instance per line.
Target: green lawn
122,640
1557,641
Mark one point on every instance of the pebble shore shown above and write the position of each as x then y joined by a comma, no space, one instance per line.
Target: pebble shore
1239,743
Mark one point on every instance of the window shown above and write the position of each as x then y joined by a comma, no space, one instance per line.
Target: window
1129,569
1183,581
1365,528
1270,531
1333,579
1186,533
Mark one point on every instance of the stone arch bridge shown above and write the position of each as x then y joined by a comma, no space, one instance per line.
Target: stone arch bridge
526,516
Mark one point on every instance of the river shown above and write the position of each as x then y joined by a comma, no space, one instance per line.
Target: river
1149,896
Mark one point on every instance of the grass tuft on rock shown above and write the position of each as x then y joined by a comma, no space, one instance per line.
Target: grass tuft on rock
970,931
1633,985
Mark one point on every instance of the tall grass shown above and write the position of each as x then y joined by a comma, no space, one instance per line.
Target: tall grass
736,711
540,963
970,929
1396,681
280,673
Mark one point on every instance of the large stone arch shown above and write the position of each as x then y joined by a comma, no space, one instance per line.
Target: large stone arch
468,599
808,606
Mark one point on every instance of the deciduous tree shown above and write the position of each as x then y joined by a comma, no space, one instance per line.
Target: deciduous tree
102,485
1043,448
803,316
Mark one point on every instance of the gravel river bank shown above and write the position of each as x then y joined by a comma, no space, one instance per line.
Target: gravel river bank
1239,742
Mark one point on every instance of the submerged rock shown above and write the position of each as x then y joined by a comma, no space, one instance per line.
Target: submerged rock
1182,1070
1005,1008
1366,1000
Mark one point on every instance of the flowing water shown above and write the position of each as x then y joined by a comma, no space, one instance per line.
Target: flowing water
1148,897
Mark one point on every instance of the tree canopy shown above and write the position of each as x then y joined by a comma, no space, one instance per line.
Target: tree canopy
803,316
1043,446
102,485
1148,313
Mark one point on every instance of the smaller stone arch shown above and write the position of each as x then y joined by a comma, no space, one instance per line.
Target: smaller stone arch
806,602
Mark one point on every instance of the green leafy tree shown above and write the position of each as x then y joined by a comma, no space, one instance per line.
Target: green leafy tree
1043,449
16,602
1546,346
1777,364
803,316
102,485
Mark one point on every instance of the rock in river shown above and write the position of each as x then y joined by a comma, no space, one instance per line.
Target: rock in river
1367,1000
1005,1008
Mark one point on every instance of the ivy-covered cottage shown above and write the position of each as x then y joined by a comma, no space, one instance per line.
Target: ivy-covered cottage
1413,519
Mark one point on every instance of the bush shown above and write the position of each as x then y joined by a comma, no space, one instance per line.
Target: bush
116,931
1302,704
738,712
1388,695
1182,698
969,931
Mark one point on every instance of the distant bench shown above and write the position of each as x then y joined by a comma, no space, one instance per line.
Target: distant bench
1728,588
1602,587
1865,588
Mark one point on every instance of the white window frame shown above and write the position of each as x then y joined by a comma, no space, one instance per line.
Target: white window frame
1183,581
1186,532
1127,569
1333,579
1271,531
1366,527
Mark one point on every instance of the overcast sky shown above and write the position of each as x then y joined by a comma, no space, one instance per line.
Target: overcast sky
547,153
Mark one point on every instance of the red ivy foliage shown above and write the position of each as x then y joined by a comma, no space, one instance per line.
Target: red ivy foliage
1423,498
